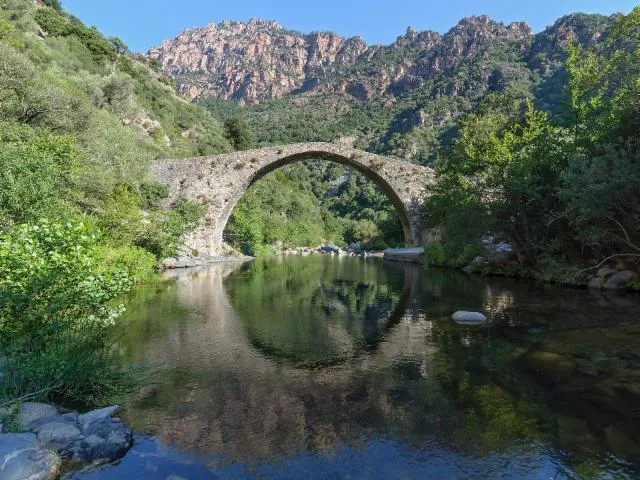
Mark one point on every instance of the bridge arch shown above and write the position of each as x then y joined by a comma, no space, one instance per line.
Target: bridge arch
220,181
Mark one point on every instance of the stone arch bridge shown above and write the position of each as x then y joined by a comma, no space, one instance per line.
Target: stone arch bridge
219,182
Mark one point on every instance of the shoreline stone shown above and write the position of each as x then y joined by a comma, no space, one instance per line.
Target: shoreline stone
54,438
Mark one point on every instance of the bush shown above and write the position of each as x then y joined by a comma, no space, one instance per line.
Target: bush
138,262
151,194
36,171
434,254
55,310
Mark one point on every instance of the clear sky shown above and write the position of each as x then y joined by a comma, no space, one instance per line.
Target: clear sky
145,23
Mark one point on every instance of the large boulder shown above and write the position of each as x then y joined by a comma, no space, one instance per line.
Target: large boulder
31,412
612,279
621,445
64,438
106,438
92,437
620,280
22,458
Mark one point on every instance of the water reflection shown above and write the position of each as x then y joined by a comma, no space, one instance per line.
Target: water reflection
297,361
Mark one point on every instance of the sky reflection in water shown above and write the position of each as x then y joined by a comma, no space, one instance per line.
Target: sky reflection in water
327,367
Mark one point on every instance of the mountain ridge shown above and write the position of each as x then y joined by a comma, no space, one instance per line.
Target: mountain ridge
261,60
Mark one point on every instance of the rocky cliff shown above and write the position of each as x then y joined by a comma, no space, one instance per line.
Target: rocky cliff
250,61
260,60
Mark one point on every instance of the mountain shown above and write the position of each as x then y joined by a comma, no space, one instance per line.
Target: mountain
250,61
399,99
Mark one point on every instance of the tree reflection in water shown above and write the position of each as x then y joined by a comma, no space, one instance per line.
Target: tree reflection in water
265,361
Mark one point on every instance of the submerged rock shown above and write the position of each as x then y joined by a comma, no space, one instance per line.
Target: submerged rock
575,435
550,367
22,458
468,318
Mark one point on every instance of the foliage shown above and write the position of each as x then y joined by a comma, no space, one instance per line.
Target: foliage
54,310
238,133
307,203
152,193
434,254
37,169
501,170
163,230
81,120
559,194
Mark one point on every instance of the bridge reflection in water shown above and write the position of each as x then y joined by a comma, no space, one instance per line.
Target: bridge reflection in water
287,361
267,361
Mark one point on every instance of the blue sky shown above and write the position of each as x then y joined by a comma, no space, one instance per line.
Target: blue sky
145,23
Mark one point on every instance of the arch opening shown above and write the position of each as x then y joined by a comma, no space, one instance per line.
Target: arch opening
350,162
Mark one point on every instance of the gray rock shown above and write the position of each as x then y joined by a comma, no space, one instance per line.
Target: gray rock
605,272
36,425
596,283
21,458
620,280
59,436
31,412
478,260
106,440
502,247
1,427
98,415
469,318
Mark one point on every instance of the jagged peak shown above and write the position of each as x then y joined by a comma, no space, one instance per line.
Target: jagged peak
498,29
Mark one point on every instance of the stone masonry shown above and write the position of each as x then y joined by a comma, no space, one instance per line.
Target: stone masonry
218,182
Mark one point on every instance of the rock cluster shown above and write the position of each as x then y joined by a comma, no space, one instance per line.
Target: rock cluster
612,279
52,437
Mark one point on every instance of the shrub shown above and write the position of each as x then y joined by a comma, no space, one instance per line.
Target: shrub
138,262
152,193
55,309
434,254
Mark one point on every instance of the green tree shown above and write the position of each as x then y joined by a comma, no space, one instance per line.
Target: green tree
502,169
238,133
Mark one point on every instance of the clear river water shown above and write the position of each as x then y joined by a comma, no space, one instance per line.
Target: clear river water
327,367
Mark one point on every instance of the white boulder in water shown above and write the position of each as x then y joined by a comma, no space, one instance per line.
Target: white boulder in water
469,318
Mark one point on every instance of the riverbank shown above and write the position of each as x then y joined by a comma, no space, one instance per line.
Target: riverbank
604,278
498,262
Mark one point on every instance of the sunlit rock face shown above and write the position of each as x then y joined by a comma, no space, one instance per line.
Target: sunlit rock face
250,61
260,60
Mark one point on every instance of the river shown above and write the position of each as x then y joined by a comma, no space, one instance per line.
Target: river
327,367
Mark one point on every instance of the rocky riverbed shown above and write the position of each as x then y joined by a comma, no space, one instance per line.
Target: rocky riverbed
38,441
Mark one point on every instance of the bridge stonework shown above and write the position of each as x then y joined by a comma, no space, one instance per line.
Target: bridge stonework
218,182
